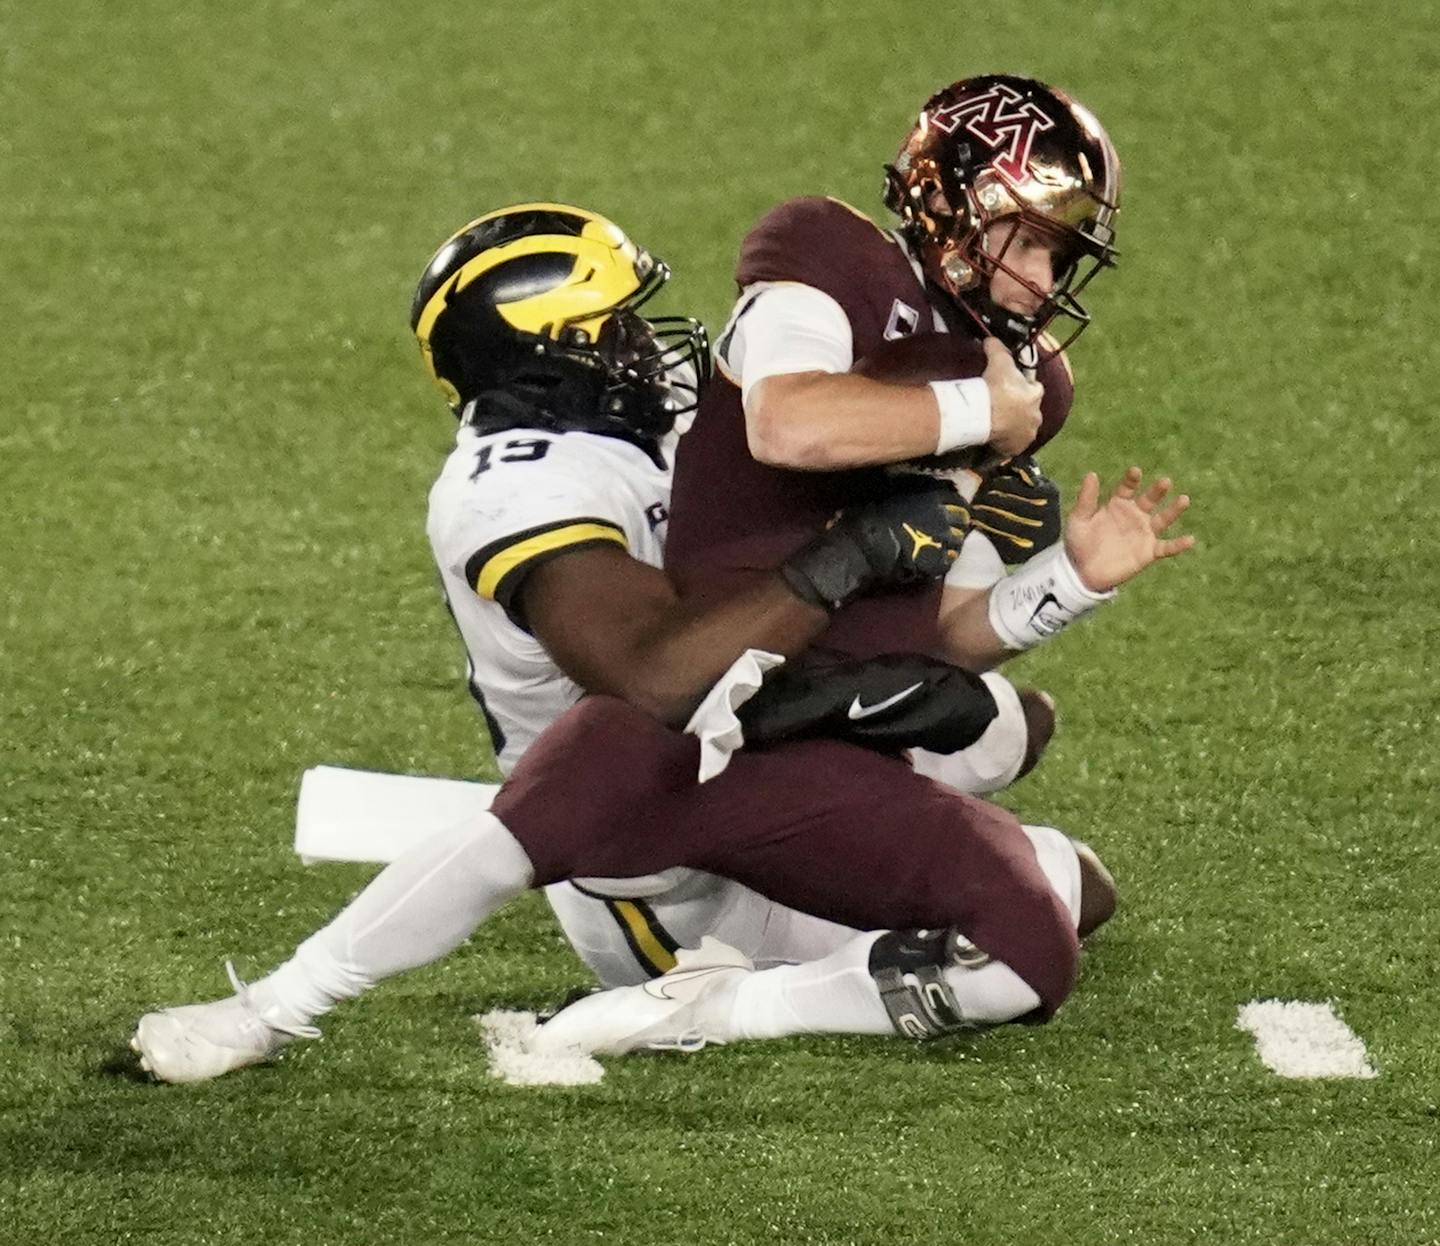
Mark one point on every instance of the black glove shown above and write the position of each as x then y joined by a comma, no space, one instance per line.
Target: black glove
911,536
888,703
1018,508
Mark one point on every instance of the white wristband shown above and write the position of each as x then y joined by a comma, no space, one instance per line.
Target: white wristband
1042,598
964,413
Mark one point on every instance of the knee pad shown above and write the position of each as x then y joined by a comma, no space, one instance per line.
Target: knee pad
997,758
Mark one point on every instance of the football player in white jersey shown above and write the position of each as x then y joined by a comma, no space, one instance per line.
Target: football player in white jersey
528,319
549,464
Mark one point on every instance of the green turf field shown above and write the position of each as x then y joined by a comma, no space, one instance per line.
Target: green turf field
214,454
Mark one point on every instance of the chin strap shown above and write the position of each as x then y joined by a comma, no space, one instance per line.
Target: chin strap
1016,333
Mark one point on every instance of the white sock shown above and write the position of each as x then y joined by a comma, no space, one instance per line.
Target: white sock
832,995
837,995
417,909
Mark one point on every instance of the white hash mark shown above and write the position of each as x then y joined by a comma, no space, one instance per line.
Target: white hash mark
1296,1039
507,1038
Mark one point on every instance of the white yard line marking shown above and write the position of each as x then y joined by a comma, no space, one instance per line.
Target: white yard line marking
1296,1039
507,1038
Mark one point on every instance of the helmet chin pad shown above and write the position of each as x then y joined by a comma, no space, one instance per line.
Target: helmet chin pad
1014,329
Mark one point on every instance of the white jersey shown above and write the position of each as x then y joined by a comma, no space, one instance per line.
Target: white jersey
506,502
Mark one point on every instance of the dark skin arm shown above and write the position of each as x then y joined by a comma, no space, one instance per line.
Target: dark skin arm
617,626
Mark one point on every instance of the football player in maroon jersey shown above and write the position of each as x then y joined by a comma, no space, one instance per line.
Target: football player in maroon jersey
1006,192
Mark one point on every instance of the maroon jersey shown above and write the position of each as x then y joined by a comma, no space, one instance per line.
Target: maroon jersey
733,518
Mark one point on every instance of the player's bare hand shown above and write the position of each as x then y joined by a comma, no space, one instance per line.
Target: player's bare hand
1114,542
1014,400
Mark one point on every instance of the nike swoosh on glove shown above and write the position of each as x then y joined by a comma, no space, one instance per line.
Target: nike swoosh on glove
889,703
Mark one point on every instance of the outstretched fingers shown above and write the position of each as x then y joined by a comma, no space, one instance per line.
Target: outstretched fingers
1087,501
1129,484
1163,519
1154,495
1175,545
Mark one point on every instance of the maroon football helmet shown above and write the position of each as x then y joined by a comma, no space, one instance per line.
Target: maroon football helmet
995,147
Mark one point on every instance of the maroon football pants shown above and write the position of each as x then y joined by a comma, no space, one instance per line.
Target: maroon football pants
828,828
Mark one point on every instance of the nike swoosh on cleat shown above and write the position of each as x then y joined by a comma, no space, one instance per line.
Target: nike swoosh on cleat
656,988
858,711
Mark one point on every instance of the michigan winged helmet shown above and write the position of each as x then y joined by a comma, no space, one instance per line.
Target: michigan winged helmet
535,309
995,147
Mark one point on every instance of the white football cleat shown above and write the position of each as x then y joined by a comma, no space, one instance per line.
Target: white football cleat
667,1013
198,1042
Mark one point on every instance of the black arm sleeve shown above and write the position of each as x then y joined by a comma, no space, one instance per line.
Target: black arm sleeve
889,703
